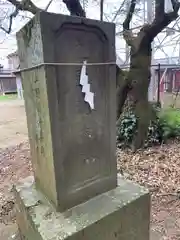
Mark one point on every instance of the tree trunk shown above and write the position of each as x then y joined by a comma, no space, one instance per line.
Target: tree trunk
133,91
122,90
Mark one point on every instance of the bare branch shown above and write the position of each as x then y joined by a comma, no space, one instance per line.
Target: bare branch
101,9
159,9
118,11
25,5
75,8
164,20
13,15
16,3
127,33
129,15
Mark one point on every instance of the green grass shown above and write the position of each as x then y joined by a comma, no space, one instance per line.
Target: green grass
171,115
8,97
170,120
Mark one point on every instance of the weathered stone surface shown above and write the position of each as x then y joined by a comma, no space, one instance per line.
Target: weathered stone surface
72,147
122,213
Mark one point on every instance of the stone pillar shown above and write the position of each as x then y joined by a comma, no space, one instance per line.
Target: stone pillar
72,146
73,139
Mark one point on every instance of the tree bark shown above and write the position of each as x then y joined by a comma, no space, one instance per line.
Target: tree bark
75,8
101,9
122,89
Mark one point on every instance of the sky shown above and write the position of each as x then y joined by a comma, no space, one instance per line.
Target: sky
170,43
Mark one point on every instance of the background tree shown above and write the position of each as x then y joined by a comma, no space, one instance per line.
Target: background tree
133,85
137,82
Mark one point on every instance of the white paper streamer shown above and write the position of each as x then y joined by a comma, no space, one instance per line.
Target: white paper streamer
89,96
168,7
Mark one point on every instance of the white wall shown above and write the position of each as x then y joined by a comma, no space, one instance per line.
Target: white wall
13,64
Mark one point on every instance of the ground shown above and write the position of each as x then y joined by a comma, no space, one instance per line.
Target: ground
13,128
156,168
170,99
14,157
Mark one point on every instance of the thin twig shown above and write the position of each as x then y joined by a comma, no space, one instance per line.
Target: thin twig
24,5
101,9
46,8
13,15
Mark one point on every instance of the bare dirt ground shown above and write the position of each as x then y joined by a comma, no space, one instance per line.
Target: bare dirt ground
13,128
156,168
14,151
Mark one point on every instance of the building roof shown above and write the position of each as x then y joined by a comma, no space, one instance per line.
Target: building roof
6,73
167,61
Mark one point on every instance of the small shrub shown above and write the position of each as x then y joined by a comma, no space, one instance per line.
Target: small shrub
155,133
170,122
166,125
127,127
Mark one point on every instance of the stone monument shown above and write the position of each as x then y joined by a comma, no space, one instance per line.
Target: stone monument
69,89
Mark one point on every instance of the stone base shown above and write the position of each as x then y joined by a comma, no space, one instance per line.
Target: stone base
122,213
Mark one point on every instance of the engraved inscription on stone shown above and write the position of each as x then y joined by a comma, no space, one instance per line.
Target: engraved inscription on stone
35,52
38,118
85,131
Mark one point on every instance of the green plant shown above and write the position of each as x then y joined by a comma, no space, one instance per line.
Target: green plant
170,122
165,125
155,132
127,127
8,97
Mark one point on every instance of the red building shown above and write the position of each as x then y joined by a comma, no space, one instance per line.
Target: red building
170,74
170,79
